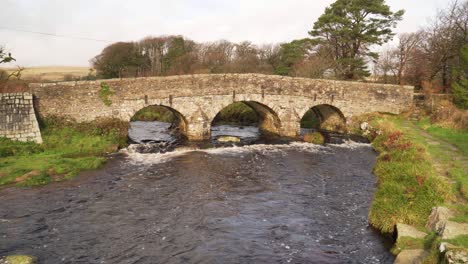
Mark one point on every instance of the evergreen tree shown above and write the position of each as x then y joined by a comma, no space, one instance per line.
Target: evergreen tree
290,54
350,28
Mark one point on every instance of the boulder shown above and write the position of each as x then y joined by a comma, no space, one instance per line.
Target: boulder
411,256
18,259
364,126
456,256
445,246
438,218
408,231
454,229
228,139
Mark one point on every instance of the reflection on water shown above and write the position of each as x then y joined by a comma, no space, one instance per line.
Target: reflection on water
246,134
150,131
296,203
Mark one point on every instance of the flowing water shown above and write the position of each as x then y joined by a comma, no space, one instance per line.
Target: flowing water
289,203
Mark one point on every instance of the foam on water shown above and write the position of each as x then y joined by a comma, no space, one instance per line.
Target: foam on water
155,158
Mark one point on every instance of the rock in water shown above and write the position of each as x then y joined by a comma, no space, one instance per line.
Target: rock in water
228,139
18,259
152,147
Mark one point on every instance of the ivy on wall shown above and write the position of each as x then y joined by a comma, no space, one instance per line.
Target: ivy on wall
104,93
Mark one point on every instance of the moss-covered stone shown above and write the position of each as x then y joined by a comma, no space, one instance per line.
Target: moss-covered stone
315,138
18,259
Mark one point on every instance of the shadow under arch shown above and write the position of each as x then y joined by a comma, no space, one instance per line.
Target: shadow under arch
324,117
268,121
162,113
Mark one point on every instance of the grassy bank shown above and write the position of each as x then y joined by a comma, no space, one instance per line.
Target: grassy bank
420,166
408,185
67,149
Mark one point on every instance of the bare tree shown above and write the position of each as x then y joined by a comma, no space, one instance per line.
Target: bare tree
444,39
407,44
387,65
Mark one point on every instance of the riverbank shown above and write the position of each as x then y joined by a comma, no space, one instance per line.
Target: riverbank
68,148
420,166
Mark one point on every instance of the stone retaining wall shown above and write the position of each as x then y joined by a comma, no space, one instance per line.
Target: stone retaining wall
17,118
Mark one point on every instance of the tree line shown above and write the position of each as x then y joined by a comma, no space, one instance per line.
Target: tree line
434,58
338,47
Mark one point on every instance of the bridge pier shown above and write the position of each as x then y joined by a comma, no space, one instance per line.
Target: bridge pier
197,131
290,128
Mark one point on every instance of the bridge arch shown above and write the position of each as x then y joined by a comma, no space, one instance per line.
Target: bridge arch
324,117
268,120
160,112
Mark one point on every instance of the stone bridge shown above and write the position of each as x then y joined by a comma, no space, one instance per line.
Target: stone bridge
279,101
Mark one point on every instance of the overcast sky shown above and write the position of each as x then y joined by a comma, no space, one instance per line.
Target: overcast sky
260,21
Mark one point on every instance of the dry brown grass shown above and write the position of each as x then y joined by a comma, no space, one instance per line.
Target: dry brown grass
14,86
448,115
51,73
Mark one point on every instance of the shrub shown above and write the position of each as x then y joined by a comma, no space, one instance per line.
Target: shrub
10,147
315,138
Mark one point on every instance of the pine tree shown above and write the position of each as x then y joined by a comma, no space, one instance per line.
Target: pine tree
350,28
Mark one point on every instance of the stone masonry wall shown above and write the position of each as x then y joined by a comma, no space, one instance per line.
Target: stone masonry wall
17,118
198,98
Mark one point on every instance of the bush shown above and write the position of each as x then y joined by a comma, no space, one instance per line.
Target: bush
315,138
10,147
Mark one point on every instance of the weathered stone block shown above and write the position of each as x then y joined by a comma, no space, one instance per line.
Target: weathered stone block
15,119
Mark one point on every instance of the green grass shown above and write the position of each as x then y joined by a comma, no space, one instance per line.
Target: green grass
460,241
405,243
461,211
459,175
408,187
67,149
455,137
438,153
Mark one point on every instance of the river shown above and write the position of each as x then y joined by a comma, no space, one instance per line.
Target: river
285,203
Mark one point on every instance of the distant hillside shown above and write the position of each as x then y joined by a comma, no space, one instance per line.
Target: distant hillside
51,73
